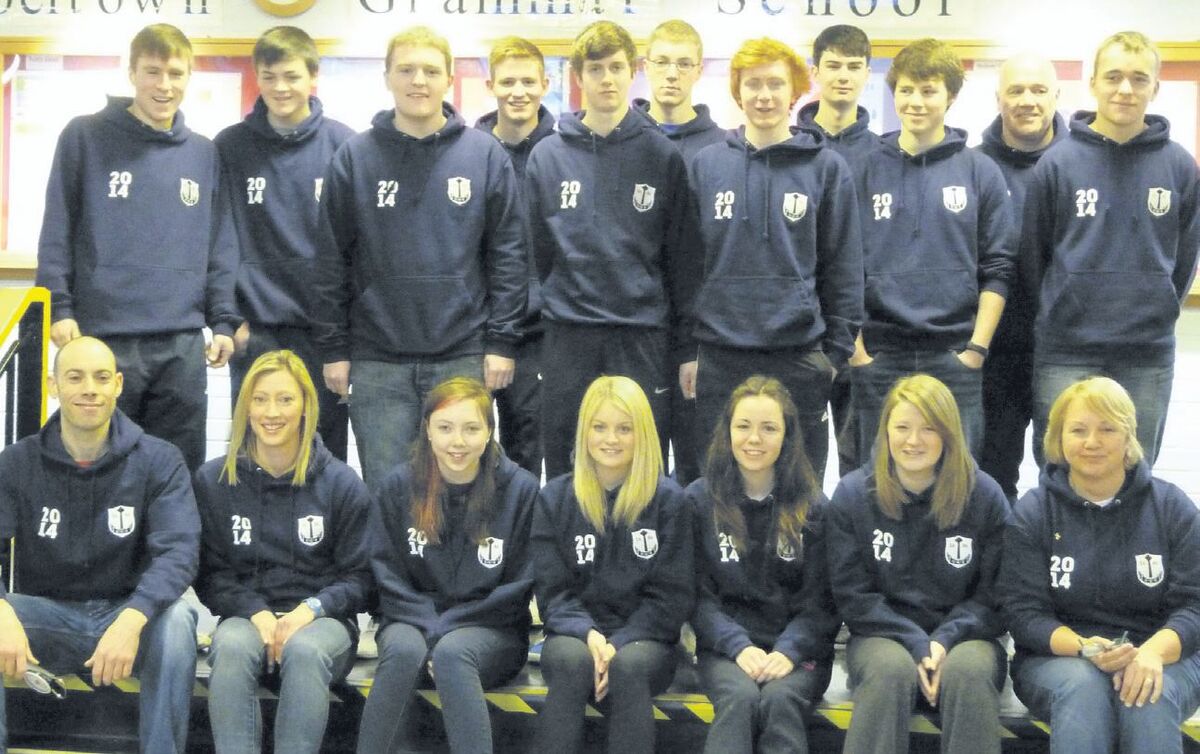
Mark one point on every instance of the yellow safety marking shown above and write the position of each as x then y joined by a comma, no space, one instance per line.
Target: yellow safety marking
509,703
1041,726
922,724
702,711
839,717
432,697
129,685
74,683
659,714
1192,732
1006,733
46,751
590,711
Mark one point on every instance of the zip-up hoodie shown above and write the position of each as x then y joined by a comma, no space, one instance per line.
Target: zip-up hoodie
437,588
1014,334
906,580
610,225
937,230
688,137
276,196
629,583
854,142
764,593
1131,565
124,527
1111,252
137,236
424,254
783,249
268,545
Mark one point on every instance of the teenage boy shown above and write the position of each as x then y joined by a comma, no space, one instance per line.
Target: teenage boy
1028,125
517,79
422,275
279,154
107,540
937,247
1114,225
608,204
783,283
137,244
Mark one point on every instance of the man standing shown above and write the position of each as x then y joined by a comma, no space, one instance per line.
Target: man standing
106,540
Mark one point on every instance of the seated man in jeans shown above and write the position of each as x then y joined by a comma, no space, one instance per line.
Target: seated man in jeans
107,540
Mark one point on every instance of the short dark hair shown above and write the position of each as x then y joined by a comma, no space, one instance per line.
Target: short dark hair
928,59
283,43
599,40
160,41
844,38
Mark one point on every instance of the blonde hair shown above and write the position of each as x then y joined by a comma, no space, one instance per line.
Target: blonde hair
1105,397
1130,41
242,441
676,30
763,51
514,48
420,36
638,489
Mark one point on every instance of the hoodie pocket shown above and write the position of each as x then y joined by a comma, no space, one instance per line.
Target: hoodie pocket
923,300
1115,307
770,308
423,314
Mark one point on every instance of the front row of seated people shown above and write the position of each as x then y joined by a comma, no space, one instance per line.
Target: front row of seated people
1096,572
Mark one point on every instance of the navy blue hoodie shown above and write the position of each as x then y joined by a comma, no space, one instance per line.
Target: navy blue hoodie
629,583
610,225
937,231
137,236
763,593
854,142
690,137
1015,331
783,250
1131,565
906,580
437,588
276,190
425,250
123,528
268,545
1111,252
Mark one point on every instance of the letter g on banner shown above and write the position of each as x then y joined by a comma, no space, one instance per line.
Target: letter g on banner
284,8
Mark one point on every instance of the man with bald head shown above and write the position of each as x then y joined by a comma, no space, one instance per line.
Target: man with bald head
1028,125
107,540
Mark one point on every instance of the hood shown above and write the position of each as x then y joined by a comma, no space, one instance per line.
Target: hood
383,125
955,141
257,120
318,459
702,122
1156,133
806,118
570,126
993,139
1056,479
123,436
117,113
801,140
544,127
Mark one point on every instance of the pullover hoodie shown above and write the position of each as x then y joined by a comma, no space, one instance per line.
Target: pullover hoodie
269,545
763,593
937,231
610,225
424,250
1015,331
689,138
1131,565
461,582
277,181
137,236
854,142
783,249
1111,252
908,581
629,583
122,528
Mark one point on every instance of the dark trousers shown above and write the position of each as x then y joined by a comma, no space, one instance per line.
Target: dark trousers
166,388
684,449
1007,411
575,355
334,417
845,423
520,406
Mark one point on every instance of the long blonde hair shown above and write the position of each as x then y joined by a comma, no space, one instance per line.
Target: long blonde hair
242,440
1105,397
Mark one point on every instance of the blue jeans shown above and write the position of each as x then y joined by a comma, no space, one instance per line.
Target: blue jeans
1086,715
313,658
1149,388
63,635
465,662
385,406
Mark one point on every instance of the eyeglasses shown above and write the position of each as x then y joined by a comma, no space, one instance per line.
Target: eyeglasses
683,66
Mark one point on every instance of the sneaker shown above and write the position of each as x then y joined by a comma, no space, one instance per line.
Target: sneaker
367,648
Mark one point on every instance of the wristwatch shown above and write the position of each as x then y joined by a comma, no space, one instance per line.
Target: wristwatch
315,605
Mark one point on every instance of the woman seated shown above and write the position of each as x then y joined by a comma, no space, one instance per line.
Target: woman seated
764,619
613,547
1101,585
451,539
914,542
284,561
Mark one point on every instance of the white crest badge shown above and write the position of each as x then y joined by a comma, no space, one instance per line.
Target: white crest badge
795,206
311,529
1158,201
958,551
955,198
784,550
1149,568
491,552
189,192
459,190
645,543
121,520
643,197
317,184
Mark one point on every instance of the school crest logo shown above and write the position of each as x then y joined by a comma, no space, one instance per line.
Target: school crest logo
1158,201
955,198
311,529
491,552
189,192
317,184
643,197
121,521
795,206
645,543
958,551
459,190
784,550
1149,568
